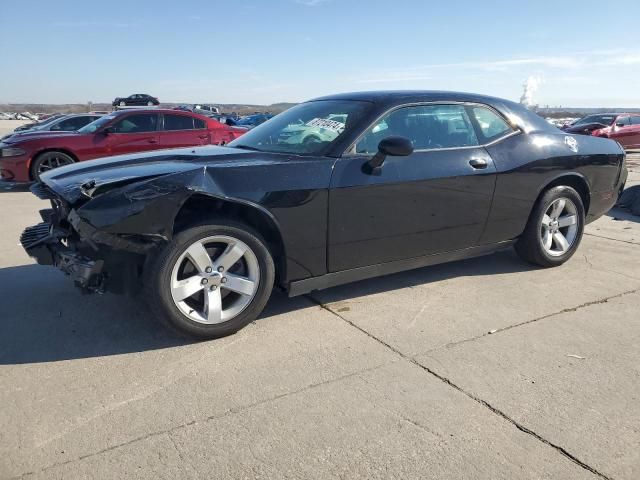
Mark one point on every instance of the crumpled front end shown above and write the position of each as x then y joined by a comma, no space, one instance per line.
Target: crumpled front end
95,260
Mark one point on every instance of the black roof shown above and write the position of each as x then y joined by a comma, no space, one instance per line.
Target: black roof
518,114
393,96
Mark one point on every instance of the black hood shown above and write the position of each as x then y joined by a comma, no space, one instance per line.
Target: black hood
584,128
90,176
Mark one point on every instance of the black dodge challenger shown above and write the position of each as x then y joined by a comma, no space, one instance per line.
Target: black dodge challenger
334,190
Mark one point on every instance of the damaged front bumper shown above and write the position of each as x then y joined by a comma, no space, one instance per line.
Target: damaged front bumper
45,243
95,260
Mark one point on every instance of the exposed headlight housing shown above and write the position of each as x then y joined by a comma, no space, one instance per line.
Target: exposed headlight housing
11,151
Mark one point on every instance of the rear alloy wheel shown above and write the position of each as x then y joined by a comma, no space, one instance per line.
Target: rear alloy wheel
211,280
122,104
149,104
48,161
559,227
555,228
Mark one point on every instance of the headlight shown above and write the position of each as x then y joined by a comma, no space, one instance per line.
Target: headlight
11,152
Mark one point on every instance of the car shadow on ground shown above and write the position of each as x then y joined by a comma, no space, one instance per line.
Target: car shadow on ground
617,213
45,319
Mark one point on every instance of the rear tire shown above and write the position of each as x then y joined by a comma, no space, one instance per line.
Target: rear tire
211,280
48,161
555,228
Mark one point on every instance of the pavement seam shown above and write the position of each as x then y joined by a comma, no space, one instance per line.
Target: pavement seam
612,239
533,320
479,400
226,413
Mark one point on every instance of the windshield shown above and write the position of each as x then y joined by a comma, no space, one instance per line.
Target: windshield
306,129
603,119
97,124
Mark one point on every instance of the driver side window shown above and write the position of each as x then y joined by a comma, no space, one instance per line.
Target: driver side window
427,126
137,124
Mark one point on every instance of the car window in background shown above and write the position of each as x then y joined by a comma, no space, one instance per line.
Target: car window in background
635,120
178,122
140,123
71,124
492,126
603,119
623,121
306,129
427,126
198,123
98,124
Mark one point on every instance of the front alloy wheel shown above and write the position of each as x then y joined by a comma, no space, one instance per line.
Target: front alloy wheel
210,280
48,161
215,279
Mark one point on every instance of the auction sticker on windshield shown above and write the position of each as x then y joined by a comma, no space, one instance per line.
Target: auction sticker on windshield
332,125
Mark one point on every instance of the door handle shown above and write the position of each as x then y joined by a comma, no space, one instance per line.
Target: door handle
478,163
153,140
203,136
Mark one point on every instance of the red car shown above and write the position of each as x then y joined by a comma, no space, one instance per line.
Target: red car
622,127
129,131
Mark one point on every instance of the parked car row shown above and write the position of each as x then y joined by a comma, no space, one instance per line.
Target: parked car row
622,127
54,124
19,116
25,156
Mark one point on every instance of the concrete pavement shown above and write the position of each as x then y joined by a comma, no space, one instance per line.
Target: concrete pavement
396,377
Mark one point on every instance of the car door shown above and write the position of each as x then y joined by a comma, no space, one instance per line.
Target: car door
435,200
183,131
635,127
136,132
622,131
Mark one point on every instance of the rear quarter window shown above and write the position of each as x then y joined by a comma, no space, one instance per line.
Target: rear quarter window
178,122
491,125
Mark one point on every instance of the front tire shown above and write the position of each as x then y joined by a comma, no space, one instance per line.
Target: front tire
48,161
555,228
211,280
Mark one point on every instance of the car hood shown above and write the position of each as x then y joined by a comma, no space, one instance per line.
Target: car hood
584,127
87,179
28,135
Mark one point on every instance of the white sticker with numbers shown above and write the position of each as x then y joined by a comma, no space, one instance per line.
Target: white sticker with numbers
326,124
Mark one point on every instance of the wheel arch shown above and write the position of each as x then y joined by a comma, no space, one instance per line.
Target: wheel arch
45,150
571,179
199,206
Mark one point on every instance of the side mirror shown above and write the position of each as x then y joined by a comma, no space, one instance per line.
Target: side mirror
393,146
619,124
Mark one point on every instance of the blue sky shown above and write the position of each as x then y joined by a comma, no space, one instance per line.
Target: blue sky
582,53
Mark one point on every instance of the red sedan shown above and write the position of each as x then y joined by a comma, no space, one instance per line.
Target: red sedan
24,159
622,127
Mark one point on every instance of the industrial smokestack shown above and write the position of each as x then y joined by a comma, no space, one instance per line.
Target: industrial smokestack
530,86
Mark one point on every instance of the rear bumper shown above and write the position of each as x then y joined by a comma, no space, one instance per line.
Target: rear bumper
602,202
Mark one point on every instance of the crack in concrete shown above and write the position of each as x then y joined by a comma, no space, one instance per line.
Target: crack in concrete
479,400
231,411
612,239
533,320
181,457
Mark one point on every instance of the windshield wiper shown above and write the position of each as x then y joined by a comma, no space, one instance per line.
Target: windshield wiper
247,147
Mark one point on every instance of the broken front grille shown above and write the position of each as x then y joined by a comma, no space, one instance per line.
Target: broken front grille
41,191
32,236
